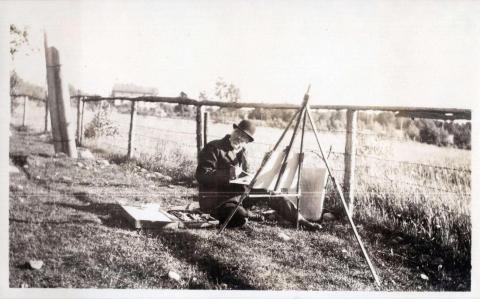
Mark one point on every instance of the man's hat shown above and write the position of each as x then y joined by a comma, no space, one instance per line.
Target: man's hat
246,127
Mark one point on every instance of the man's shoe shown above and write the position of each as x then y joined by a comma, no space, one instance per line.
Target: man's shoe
255,217
310,226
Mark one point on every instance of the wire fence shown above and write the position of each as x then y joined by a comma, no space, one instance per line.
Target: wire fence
154,134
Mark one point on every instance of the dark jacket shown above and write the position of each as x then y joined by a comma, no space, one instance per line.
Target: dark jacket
213,173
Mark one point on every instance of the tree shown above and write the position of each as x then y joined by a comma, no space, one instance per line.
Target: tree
20,86
462,134
203,96
14,82
18,38
226,92
338,121
386,119
74,91
433,134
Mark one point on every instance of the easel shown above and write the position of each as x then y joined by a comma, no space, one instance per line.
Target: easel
300,116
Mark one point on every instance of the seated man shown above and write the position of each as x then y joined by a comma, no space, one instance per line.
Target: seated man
223,160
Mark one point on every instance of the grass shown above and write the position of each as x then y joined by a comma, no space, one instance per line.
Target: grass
413,199
429,208
76,228
430,203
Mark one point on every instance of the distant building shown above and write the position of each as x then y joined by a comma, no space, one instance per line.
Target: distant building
133,91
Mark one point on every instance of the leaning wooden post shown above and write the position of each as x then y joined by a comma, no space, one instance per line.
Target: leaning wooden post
131,132
350,151
25,111
59,104
52,99
63,106
199,128
205,127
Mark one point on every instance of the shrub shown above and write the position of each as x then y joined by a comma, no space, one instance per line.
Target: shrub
101,124
432,134
462,135
169,159
413,132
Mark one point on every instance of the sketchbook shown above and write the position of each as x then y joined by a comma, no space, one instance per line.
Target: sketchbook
267,178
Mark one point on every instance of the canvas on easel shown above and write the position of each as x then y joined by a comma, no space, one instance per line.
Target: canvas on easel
267,178
312,184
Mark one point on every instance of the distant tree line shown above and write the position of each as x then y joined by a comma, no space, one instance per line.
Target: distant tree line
440,133
437,132
20,86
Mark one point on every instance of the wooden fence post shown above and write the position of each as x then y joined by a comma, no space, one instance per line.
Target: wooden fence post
199,119
25,111
79,119
205,127
131,133
350,152
81,122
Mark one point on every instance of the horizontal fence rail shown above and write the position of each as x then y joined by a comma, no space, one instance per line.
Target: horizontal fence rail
461,113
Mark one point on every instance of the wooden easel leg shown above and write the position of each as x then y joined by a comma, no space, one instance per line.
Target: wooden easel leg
292,140
345,207
298,213
300,165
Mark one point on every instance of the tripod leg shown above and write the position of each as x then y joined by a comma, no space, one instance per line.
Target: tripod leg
289,148
286,129
225,223
344,204
300,165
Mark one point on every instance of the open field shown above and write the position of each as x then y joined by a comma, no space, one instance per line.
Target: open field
426,208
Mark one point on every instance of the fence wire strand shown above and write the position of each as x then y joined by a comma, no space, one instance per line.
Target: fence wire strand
460,180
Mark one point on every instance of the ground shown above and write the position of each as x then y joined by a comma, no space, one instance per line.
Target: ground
64,212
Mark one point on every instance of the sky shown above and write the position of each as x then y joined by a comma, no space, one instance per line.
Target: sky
404,53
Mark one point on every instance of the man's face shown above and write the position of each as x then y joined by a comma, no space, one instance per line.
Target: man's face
238,139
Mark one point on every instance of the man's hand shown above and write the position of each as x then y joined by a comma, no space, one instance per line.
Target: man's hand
235,172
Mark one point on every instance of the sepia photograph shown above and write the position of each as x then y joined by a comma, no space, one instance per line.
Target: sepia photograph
202,149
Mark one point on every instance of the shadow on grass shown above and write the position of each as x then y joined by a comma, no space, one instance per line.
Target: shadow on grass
421,253
20,160
182,244
110,214
51,221
187,246
42,141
